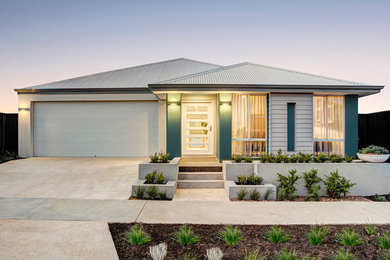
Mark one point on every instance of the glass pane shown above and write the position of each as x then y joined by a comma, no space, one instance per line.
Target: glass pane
258,106
252,148
258,127
319,117
335,117
328,147
240,116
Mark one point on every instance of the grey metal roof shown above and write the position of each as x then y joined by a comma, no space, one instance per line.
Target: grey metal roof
133,77
254,74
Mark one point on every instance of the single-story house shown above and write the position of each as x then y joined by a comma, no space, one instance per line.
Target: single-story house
191,108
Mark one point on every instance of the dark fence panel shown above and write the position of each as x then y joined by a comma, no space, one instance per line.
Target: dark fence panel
9,132
374,129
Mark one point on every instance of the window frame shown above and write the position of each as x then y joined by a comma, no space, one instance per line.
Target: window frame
327,126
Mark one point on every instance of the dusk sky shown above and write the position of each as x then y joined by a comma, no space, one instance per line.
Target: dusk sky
44,41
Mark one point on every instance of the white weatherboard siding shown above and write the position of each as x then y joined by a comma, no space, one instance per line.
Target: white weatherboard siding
95,128
303,122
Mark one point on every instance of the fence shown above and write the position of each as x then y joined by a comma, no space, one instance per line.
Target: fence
374,129
9,132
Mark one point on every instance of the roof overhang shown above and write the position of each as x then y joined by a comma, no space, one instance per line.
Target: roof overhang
83,91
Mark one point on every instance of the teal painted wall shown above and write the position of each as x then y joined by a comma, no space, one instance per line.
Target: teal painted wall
351,125
225,126
290,127
174,125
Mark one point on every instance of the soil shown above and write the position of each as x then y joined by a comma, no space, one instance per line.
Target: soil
302,198
252,239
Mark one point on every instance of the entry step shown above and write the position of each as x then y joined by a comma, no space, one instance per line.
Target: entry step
200,176
200,184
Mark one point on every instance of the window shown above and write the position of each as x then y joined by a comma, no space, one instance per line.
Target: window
249,124
328,124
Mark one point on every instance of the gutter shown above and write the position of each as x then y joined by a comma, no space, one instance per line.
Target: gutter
84,91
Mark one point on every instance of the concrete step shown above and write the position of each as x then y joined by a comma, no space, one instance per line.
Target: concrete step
200,176
200,184
200,168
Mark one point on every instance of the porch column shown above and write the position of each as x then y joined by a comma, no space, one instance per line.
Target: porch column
174,125
351,125
225,125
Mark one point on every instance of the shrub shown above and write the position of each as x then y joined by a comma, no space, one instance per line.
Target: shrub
241,194
276,235
164,157
189,256
231,235
267,193
214,253
334,158
286,254
385,255
162,195
137,236
154,177
342,255
293,158
249,180
248,159
160,178
152,192
281,194
279,157
374,149
304,158
154,158
254,195
320,158
312,185
337,185
237,158
253,255
287,182
316,235
158,252
348,159
349,237
139,192
185,236
379,198
370,230
384,240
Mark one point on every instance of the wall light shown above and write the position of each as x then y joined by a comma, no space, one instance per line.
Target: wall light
173,103
225,103
23,109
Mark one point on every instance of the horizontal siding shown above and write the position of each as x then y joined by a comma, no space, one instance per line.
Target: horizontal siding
303,121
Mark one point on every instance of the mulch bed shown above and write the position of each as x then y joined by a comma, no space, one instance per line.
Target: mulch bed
252,239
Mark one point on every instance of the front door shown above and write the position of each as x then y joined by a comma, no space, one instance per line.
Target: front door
198,128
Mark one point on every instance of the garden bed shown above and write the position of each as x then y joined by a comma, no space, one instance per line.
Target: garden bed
252,238
170,169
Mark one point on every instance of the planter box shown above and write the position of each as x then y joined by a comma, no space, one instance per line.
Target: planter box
370,178
232,190
374,158
170,170
231,170
169,188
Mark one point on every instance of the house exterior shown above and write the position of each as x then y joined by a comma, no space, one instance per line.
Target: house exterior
191,108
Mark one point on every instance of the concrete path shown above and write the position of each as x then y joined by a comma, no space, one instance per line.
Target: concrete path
37,239
200,195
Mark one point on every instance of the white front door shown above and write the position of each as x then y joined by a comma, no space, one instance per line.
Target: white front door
198,128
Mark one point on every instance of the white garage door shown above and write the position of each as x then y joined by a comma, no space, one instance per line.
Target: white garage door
95,128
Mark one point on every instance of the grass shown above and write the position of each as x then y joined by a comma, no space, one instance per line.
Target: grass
231,235
342,254
137,236
241,194
385,255
371,230
152,192
349,237
189,256
253,255
139,192
276,235
384,241
286,254
185,236
316,235
267,193
254,195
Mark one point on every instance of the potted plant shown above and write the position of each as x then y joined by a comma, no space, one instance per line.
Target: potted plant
373,153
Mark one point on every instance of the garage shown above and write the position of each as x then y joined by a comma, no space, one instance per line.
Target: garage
116,128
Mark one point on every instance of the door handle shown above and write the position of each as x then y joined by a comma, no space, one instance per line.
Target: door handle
211,128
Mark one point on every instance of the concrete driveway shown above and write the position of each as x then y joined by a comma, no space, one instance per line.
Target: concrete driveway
69,178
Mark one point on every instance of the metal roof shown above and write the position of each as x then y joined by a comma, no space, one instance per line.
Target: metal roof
254,74
133,77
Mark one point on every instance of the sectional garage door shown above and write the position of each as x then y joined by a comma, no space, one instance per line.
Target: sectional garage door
95,128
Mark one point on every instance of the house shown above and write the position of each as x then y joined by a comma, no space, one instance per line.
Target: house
191,108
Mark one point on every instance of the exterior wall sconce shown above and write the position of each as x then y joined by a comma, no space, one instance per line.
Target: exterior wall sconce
23,109
174,103
225,103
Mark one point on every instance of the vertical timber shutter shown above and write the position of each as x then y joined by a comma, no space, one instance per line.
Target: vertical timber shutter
291,127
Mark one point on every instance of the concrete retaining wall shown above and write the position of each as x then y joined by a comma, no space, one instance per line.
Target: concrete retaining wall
370,178
169,188
232,189
170,170
231,170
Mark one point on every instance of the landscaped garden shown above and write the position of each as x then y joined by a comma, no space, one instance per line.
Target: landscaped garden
251,242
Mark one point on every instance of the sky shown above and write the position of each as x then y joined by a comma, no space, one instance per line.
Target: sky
45,41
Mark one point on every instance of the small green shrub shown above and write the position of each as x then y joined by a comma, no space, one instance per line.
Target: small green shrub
154,158
379,198
164,157
152,192
248,159
312,185
286,254
287,183
267,193
237,158
349,237
281,194
316,235
139,192
342,255
160,178
185,236
162,195
292,196
253,255
374,149
337,185
137,236
371,230
279,157
304,158
154,177
384,240
320,158
293,158
335,158
385,255
254,195
189,256
231,235
241,194
276,235
348,159
249,180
